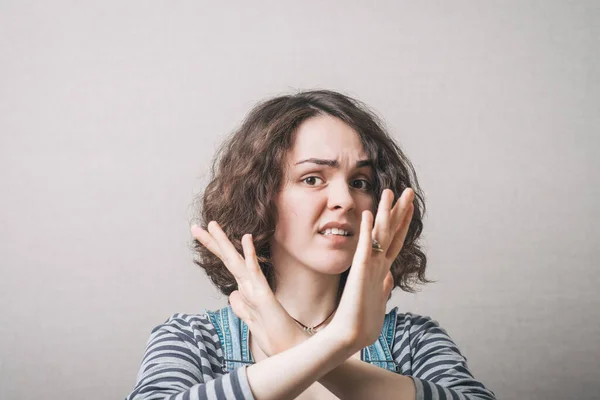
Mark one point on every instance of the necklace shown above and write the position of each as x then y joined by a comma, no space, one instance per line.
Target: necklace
311,330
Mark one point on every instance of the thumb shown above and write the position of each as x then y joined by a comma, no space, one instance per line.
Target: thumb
388,284
239,306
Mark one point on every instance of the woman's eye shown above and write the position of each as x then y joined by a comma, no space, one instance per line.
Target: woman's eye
310,180
363,184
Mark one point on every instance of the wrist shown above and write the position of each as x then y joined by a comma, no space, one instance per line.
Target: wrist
294,337
340,344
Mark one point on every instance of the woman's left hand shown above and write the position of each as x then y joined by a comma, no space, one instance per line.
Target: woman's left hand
254,302
361,312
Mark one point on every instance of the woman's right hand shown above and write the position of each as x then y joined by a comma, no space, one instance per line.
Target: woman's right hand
253,302
360,314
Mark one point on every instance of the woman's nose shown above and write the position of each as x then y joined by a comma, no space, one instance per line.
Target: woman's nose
340,196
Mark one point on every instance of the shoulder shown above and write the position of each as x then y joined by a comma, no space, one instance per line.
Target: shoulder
193,329
416,330
414,323
409,321
186,323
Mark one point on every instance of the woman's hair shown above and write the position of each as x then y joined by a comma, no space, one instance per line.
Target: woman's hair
249,169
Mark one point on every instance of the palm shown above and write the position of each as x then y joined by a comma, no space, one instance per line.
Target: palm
254,302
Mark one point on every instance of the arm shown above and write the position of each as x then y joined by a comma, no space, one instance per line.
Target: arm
177,361
298,367
438,367
356,379
176,364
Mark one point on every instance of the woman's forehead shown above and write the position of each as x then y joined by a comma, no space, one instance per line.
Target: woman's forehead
326,137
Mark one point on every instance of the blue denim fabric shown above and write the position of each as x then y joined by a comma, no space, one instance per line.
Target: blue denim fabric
233,335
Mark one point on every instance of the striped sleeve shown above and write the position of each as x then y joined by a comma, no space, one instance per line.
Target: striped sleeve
439,370
178,364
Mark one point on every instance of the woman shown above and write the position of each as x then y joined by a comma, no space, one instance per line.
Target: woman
311,219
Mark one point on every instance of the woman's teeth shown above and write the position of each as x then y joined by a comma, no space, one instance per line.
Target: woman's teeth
335,231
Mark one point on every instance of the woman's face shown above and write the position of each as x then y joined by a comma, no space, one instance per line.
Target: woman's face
328,183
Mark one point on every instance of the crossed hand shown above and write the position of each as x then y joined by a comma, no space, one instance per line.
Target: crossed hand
360,313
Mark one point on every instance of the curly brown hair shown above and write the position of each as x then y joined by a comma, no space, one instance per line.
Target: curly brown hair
249,168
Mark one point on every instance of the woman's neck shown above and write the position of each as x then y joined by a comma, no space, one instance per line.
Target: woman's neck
307,295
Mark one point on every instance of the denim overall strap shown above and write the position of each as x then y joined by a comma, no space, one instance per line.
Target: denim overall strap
380,352
232,337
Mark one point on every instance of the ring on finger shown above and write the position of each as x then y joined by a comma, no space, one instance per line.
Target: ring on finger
376,246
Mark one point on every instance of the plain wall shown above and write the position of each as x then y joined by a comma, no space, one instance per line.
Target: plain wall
110,113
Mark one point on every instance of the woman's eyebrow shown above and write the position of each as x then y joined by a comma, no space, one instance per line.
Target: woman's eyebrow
335,163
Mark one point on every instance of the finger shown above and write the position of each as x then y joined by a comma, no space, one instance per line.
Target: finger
364,246
250,254
400,236
397,216
382,221
230,256
399,211
206,239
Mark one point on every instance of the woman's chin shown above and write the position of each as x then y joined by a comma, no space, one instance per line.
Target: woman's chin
335,268
328,262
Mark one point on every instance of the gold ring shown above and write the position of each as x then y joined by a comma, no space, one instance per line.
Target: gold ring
376,246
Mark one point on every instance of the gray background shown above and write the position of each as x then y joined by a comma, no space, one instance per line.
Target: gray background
111,111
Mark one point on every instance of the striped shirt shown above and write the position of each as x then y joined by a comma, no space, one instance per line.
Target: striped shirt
184,360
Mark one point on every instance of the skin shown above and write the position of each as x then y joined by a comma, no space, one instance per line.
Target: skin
307,264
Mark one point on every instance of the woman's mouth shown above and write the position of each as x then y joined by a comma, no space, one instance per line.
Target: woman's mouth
335,231
336,237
